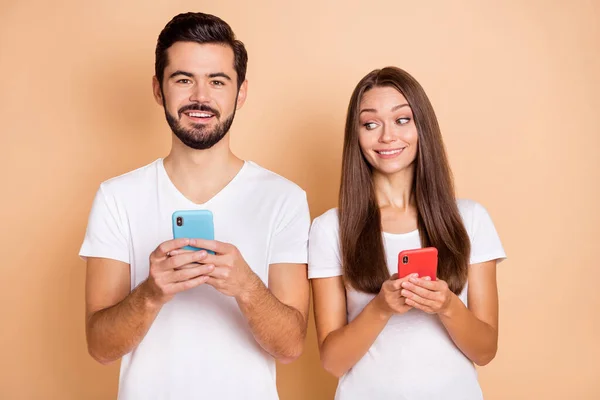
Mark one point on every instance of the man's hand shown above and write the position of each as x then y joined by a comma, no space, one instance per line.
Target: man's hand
173,270
231,275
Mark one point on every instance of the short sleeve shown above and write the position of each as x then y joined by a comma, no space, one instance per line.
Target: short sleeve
290,241
485,242
324,260
105,235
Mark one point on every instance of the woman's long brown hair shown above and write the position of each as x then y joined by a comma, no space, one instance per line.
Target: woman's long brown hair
439,221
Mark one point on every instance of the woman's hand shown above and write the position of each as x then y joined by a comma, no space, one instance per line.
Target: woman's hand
433,297
390,300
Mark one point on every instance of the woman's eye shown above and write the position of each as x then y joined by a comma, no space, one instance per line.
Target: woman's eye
370,125
403,121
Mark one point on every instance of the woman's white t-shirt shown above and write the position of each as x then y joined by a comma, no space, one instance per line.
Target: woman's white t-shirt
413,358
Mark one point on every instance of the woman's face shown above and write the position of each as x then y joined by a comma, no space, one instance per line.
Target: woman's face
387,134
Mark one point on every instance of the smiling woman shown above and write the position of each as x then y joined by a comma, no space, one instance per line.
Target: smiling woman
392,131
397,194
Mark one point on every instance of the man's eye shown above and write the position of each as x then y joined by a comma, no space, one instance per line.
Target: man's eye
184,81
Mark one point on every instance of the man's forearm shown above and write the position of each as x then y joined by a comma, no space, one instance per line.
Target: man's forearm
117,330
278,328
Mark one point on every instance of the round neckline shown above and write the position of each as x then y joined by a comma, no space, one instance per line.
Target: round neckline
401,235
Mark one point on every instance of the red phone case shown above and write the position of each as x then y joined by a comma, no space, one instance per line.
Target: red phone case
422,261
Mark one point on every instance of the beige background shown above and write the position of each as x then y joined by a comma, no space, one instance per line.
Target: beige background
515,85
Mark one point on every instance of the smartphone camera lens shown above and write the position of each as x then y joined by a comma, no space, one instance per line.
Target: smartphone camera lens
179,221
405,260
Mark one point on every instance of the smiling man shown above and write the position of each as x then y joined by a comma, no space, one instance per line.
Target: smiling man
197,325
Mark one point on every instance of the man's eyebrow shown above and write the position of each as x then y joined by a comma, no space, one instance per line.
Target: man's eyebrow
219,75
179,72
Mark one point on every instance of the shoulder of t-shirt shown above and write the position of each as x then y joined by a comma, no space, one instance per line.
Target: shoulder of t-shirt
327,220
129,182
272,181
326,226
471,211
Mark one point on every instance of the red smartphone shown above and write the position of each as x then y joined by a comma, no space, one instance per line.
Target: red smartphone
422,261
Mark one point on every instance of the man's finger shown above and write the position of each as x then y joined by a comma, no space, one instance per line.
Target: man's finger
179,251
180,260
190,273
214,282
189,284
220,273
164,248
215,259
213,245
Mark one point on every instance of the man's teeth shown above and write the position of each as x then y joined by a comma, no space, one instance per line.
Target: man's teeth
389,152
200,115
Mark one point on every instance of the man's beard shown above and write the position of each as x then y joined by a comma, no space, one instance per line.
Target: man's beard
200,137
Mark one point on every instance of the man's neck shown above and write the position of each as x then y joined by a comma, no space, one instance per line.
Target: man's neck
200,174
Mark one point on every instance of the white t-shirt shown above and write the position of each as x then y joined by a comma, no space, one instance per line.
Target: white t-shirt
413,358
200,345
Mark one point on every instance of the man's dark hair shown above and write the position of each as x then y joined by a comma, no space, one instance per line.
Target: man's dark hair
199,28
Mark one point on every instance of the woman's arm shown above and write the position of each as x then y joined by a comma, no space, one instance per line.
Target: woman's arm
474,330
343,344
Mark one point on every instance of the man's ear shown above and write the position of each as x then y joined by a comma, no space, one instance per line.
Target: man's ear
242,93
156,90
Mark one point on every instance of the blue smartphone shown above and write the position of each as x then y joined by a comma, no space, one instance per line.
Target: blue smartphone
193,224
